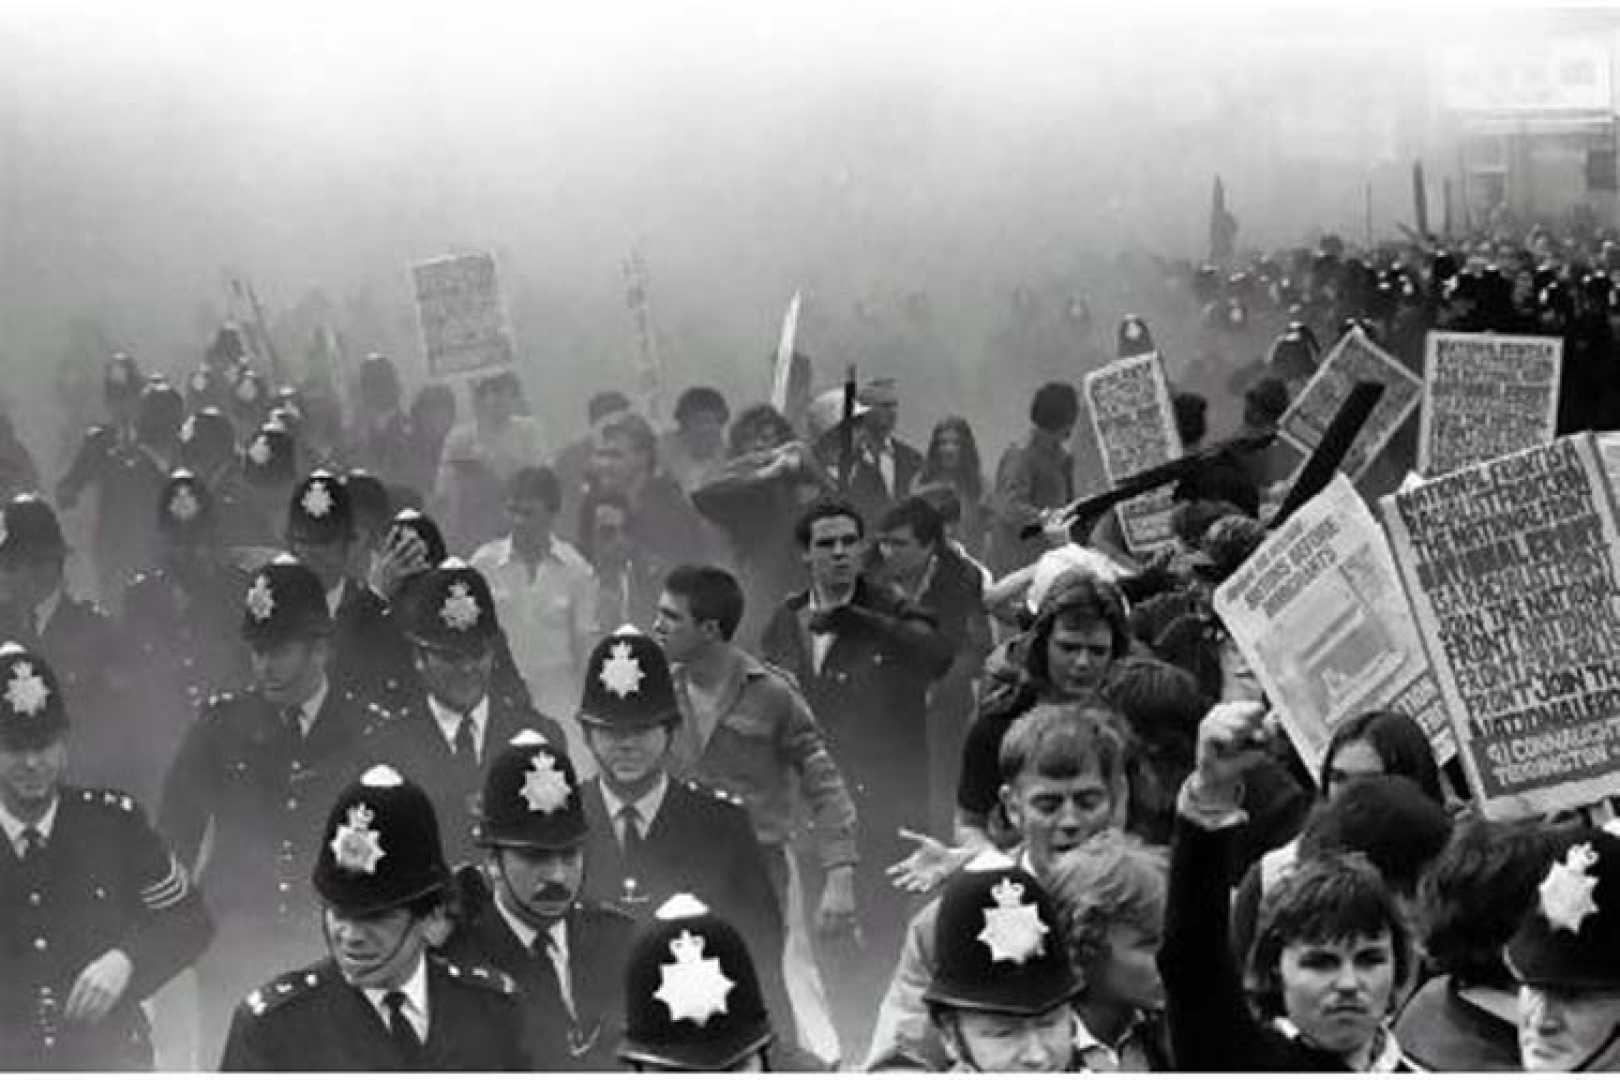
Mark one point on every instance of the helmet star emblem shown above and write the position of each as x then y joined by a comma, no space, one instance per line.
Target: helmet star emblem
317,501
621,672
694,987
356,845
460,610
1013,929
545,788
183,505
259,453
199,381
26,693
247,390
188,430
261,602
1566,892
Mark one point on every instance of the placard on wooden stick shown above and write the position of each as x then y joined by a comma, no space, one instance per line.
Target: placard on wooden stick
1135,427
1355,358
461,315
1486,395
1513,569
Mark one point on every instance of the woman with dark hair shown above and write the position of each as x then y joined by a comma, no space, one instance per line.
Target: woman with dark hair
953,459
1469,903
1331,952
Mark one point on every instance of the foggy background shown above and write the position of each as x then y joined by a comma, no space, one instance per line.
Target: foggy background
907,168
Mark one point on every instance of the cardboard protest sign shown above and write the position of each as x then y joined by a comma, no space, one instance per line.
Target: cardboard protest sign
1486,395
1319,613
649,365
1354,359
1513,569
1135,426
461,314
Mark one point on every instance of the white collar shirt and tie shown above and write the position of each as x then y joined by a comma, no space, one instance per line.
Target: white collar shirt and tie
307,710
450,721
646,809
17,830
556,946
415,1008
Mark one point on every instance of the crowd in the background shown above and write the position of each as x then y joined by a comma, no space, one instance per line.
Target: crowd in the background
409,736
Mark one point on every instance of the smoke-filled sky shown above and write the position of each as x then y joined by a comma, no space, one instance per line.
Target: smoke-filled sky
857,151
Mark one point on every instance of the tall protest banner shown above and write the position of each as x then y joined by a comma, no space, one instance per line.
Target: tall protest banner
1319,613
1131,415
1513,569
1485,396
649,365
461,315
1353,359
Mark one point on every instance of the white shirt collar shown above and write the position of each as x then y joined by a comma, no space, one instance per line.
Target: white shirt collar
416,999
46,611
311,707
647,806
14,827
449,720
520,929
334,596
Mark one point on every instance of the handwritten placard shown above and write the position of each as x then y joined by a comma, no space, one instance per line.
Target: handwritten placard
1513,568
1135,427
461,314
1354,359
1485,396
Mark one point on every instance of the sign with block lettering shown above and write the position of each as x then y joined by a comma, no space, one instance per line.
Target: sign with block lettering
1486,395
1135,426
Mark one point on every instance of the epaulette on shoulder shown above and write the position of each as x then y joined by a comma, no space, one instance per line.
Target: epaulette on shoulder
110,798
608,909
289,987
714,793
480,977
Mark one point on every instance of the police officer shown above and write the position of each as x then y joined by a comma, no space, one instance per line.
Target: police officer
96,914
180,620
1566,958
255,773
210,384
1002,985
521,912
37,610
1134,337
451,722
651,835
691,996
380,1001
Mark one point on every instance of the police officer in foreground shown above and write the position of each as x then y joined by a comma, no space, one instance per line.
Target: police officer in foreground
256,772
1566,958
521,912
1003,985
96,914
381,1001
691,996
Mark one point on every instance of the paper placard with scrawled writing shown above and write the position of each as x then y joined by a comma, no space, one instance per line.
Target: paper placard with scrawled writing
1135,427
1354,359
1486,395
461,314
1513,569
1319,613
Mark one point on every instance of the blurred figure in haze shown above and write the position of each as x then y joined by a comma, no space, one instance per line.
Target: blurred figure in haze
433,417
17,471
573,462
698,443
885,467
1034,477
381,437
479,459
953,460
662,522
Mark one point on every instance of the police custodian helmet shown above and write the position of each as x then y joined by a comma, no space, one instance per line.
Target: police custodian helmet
1570,937
380,849
531,798
627,684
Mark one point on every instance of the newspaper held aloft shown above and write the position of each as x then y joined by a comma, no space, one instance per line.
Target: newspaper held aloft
1135,426
1319,613
1513,568
1353,359
1486,395
462,315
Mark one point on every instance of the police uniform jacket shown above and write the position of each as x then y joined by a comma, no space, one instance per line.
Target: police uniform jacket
245,769
81,643
599,940
412,741
104,880
313,1021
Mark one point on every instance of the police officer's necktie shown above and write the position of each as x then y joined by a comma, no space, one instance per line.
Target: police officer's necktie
466,750
631,839
33,843
400,1030
293,717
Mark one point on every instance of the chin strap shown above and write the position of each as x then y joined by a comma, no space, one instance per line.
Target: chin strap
1603,1047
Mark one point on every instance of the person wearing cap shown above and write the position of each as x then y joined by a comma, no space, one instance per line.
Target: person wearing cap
1565,958
252,777
180,623
1002,987
692,996
37,609
652,835
1033,478
545,596
521,911
96,913
382,1000
885,467
452,719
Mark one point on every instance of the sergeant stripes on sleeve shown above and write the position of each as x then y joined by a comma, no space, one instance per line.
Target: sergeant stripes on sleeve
174,887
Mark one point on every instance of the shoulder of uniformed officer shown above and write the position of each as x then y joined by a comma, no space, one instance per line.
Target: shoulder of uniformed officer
285,989
110,799
605,911
478,976
713,794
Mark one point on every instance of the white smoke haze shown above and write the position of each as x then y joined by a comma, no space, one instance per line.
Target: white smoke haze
855,151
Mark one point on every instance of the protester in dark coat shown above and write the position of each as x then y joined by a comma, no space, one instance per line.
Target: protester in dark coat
1033,478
